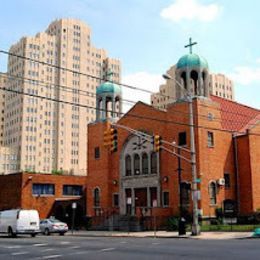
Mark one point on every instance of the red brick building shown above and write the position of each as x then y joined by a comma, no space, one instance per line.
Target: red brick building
136,179
51,195
222,152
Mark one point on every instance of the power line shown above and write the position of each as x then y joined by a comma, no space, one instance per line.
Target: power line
99,78
128,114
87,93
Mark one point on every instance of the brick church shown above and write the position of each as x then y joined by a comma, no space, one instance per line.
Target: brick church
221,170
136,179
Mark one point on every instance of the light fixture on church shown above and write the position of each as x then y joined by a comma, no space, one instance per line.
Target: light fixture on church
115,182
165,179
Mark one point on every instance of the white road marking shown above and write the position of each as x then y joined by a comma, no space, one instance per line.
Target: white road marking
108,249
51,256
47,249
123,242
156,243
79,253
13,247
20,253
40,244
64,242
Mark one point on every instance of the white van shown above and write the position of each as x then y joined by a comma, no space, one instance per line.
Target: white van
19,221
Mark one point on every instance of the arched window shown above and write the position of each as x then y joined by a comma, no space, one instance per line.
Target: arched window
145,163
136,164
128,165
96,197
185,193
153,163
194,77
213,193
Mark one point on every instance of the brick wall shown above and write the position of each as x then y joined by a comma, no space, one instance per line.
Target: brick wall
16,191
212,162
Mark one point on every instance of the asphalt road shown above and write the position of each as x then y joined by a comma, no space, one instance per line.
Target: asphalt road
69,247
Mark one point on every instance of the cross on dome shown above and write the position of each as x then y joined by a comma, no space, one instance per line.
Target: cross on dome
190,45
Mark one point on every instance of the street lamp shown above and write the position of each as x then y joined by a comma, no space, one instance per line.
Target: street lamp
188,95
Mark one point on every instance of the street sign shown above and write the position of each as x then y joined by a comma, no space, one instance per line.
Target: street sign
74,205
198,180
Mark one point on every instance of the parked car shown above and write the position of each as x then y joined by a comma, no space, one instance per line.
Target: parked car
52,225
19,221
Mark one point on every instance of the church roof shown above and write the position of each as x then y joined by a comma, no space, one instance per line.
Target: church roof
192,60
108,87
235,116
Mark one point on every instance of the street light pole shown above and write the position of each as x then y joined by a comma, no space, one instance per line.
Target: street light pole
195,223
181,228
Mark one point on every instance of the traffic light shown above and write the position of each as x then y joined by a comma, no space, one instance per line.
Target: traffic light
113,140
110,138
107,136
157,141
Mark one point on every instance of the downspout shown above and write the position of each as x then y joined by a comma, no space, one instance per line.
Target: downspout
237,183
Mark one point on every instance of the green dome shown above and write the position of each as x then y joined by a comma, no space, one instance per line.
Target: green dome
192,60
108,87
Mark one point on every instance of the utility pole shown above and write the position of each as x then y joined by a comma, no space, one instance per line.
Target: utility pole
195,224
181,228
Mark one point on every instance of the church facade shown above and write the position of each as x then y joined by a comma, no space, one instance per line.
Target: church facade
136,179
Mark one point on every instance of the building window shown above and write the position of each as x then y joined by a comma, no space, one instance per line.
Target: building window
72,190
115,200
166,199
227,180
43,189
213,193
96,197
153,163
145,163
128,165
136,164
97,153
210,139
182,138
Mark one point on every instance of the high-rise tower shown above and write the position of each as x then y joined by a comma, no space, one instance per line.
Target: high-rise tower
48,135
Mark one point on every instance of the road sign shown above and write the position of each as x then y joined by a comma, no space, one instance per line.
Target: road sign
74,205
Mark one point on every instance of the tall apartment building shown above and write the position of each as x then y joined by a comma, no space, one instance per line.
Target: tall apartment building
3,80
50,135
219,85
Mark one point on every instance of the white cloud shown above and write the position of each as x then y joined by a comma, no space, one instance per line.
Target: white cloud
142,80
190,10
245,75
258,60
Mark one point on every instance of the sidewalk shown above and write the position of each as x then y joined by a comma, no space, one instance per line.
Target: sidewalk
162,234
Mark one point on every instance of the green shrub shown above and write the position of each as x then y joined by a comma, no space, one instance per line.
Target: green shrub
172,224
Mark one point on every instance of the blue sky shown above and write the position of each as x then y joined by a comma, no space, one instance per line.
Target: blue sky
148,36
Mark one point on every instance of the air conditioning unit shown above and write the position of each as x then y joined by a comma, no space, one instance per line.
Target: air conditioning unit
221,181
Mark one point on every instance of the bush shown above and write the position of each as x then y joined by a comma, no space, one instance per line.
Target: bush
57,172
172,224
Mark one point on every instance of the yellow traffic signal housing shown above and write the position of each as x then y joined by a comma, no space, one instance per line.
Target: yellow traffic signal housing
110,138
157,143
107,136
113,140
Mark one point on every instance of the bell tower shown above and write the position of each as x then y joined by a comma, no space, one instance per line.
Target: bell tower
108,100
192,72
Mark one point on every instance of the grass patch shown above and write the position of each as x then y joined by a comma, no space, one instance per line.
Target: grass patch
227,228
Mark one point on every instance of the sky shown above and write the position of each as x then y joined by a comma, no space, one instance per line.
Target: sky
149,36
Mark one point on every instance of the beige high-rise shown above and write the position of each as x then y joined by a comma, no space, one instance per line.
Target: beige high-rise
3,80
52,136
219,85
